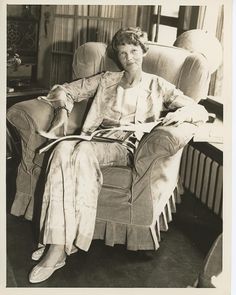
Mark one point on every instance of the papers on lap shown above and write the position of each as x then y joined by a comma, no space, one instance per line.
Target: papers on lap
119,134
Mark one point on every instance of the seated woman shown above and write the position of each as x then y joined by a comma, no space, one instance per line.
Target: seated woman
74,177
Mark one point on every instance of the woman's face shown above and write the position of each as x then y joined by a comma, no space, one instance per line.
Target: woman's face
130,56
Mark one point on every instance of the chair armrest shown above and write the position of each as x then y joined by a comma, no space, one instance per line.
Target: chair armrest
161,142
30,116
156,168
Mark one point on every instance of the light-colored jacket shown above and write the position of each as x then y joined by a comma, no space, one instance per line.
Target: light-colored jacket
155,95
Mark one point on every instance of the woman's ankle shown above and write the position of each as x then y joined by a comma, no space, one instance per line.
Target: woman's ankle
57,247
55,254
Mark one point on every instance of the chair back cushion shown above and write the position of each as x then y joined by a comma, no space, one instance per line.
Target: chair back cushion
188,71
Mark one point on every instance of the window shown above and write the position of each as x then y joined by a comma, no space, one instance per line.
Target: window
167,22
213,22
164,24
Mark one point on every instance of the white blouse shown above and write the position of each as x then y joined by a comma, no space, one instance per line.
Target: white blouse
122,110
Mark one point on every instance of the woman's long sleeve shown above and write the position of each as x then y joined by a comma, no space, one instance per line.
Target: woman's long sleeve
66,94
174,99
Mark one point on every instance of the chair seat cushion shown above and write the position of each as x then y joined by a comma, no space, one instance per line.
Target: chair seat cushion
117,177
114,199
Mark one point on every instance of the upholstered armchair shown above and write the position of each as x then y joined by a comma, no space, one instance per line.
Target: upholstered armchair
136,203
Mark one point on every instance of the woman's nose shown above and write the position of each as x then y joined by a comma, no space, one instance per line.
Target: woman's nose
129,56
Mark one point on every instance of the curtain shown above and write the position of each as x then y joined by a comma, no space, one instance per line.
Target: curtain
211,19
215,88
76,24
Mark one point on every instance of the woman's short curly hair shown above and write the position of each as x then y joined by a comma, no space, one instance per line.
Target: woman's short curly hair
130,35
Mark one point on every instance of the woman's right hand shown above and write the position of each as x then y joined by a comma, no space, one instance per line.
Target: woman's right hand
60,120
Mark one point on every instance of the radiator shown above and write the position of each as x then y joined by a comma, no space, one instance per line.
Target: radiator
202,175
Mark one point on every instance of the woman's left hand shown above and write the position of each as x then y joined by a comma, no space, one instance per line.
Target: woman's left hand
192,113
176,118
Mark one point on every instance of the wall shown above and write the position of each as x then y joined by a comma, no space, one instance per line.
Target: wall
23,10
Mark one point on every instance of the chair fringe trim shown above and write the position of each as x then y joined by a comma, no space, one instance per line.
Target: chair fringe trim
160,222
134,237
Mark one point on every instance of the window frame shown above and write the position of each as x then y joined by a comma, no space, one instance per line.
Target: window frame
212,104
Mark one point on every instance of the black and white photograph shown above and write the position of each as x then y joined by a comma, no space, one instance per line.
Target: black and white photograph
117,152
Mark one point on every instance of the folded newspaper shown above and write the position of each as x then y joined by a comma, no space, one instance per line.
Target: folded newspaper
109,134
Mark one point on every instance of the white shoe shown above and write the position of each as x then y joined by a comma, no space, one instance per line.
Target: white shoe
37,254
41,273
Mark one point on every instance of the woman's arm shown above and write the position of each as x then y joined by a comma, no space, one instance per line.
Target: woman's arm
185,108
62,98
66,94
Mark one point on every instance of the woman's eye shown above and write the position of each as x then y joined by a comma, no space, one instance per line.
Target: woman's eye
134,51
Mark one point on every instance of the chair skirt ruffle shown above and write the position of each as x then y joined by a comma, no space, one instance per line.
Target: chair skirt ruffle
138,237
